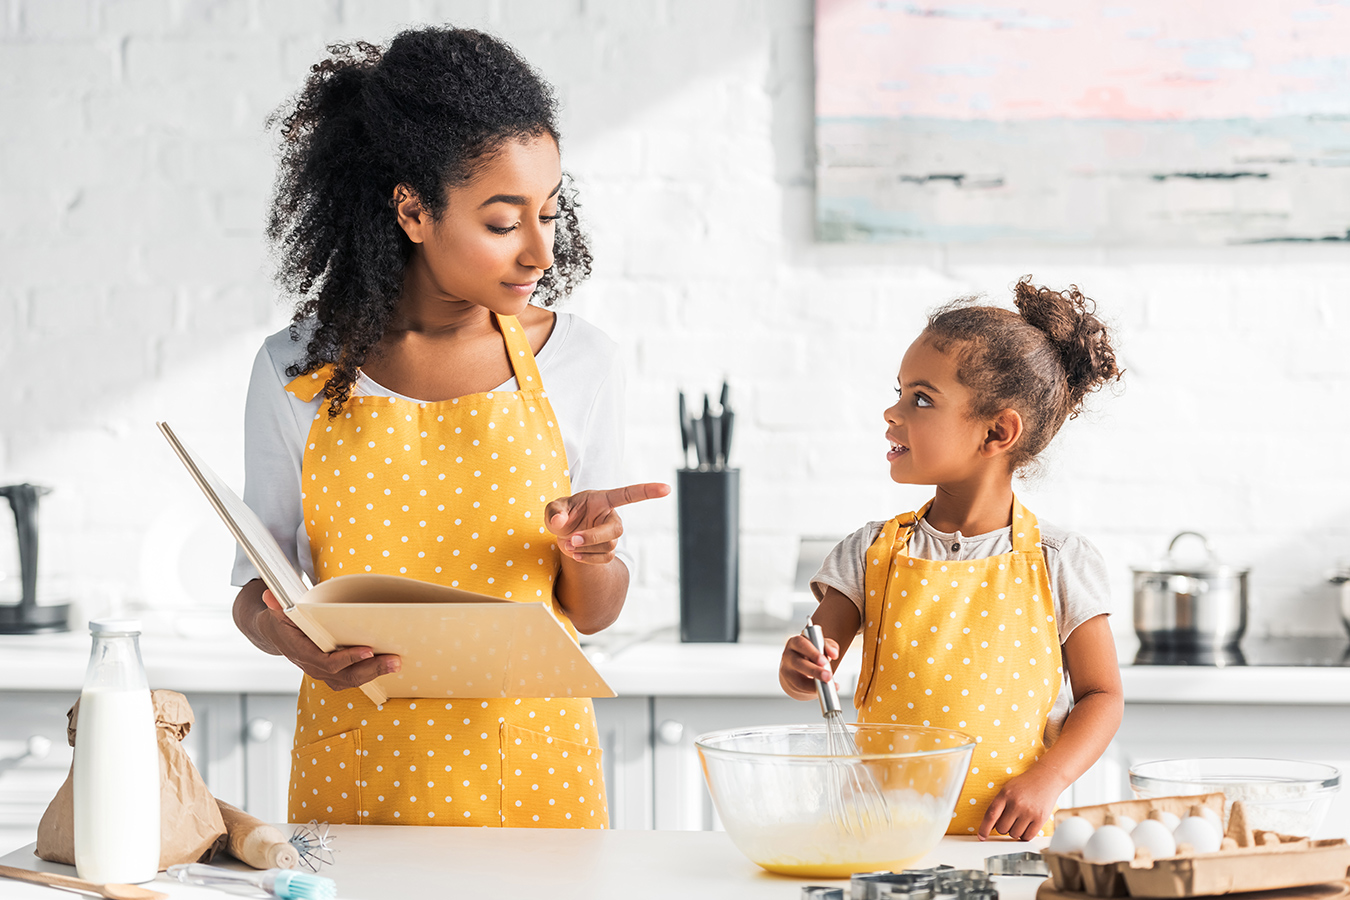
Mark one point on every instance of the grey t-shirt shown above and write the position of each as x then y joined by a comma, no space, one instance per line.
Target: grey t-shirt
1076,569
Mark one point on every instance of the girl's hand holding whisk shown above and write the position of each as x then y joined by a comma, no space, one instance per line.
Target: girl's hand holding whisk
803,664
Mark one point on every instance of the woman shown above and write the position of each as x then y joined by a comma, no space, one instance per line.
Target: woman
419,208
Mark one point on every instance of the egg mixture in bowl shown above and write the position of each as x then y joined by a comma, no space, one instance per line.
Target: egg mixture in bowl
796,810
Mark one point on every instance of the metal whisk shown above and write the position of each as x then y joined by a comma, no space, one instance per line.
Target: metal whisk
857,805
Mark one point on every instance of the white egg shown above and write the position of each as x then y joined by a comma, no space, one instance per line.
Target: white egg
1070,835
1125,823
1155,837
1213,818
1171,820
1199,832
1109,844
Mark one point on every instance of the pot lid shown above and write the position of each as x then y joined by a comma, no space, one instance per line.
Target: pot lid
1208,567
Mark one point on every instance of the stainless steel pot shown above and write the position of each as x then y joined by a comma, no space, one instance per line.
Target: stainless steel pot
1186,605
1341,578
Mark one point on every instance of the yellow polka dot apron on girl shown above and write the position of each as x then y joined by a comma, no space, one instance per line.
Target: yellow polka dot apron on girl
969,645
451,492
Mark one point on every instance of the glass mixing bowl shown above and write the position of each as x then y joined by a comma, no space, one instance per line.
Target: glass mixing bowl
1283,795
796,810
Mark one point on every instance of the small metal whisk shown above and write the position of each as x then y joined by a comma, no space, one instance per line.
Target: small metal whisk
314,843
857,805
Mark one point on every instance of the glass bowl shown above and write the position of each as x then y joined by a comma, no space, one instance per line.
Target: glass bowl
796,810
1283,795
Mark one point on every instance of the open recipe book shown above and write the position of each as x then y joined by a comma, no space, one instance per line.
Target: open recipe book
453,643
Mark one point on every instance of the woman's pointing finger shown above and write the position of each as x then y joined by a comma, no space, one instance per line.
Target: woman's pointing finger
635,493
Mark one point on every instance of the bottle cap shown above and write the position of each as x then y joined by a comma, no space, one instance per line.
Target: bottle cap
114,626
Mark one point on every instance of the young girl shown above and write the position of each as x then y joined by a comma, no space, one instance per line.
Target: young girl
973,615
422,419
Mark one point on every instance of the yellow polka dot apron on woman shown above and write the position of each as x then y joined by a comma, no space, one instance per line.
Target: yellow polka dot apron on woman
450,492
969,645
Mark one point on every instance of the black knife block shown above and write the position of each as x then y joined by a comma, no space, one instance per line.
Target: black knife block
709,522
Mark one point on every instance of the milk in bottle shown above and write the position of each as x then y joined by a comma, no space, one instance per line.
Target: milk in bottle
116,769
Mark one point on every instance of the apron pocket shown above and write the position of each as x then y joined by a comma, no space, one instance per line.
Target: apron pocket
326,780
548,782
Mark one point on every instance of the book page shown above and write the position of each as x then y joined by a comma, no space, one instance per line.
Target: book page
258,543
373,588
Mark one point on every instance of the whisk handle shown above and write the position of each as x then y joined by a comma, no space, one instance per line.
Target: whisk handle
825,690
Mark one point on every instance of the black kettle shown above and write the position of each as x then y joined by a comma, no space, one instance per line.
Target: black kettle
27,617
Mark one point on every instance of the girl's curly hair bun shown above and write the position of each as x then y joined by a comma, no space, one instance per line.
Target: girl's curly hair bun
1041,361
1068,319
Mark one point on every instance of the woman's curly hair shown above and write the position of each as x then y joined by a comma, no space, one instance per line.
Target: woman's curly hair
1041,360
428,112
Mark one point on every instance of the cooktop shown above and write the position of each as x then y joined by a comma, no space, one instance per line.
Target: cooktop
1285,651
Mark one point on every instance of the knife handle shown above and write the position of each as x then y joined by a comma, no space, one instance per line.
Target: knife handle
728,418
686,429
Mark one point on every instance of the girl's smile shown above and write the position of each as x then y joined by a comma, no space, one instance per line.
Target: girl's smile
931,436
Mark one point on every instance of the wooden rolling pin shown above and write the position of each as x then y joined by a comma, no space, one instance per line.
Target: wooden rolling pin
254,842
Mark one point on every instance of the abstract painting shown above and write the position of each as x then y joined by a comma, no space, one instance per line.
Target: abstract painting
1129,122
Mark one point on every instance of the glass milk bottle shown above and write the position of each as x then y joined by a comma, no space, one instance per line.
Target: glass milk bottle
116,771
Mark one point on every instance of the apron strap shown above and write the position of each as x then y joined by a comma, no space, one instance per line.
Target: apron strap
521,356
1026,530
311,384
523,365
893,538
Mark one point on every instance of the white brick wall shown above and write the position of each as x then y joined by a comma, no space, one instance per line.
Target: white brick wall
134,178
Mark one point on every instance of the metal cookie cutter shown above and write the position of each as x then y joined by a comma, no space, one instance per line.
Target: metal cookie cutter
1028,862
911,884
939,883
820,892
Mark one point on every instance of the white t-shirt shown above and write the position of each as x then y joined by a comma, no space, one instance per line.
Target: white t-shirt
581,370
1078,578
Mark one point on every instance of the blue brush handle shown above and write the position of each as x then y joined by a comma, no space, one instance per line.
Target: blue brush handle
284,884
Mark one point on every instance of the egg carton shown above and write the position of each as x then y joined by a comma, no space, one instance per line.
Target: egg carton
1247,860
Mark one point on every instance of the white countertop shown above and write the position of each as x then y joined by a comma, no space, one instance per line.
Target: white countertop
377,862
207,654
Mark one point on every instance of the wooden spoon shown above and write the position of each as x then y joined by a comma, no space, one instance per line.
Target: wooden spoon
111,891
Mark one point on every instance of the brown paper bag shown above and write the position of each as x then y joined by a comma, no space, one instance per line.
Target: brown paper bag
190,825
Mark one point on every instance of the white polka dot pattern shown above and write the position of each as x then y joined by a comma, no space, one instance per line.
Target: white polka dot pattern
451,493
961,646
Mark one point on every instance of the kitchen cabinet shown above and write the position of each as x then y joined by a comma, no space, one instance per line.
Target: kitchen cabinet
625,726
240,743
680,795
652,772
213,744
34,760
268,734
